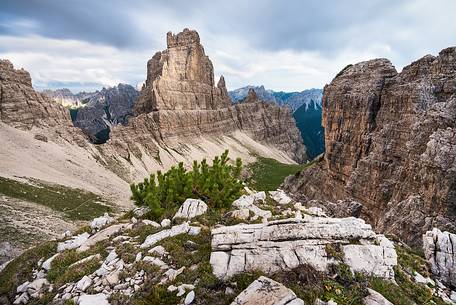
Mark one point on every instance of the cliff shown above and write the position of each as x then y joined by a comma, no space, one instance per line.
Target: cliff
390,141
180,104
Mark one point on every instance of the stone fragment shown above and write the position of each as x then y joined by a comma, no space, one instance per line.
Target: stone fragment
100,236
73,243
247,202
241,214
84,283
266,292
189,298
280,197
47,264
191,208
152,223
165,223
375,298
100,222
173,231
440,251
93,299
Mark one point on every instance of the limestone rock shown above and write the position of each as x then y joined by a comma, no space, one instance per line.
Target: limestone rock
173,231
191,208
375,298
92,299
180,100
247,202
390,144
286,244
24,108
100,222
267,292
100,236
280,197
73,243
440,250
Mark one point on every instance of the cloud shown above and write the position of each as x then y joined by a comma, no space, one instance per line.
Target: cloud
288,45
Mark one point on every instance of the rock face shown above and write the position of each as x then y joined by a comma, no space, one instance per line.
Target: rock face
180,101
440,250
21,106
267,292
287,244
182,78
390,143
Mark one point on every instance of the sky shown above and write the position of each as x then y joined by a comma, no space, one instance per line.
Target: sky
287,45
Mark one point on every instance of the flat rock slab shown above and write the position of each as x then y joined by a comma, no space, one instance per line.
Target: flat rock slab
93,299
287,244
267,292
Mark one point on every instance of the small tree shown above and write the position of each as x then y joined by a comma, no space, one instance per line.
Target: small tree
218,185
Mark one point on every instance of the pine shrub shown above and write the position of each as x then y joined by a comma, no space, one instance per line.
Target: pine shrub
217,185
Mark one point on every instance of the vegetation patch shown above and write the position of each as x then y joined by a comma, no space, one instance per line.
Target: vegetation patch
268,174
75,204
20,269
61,272
217,185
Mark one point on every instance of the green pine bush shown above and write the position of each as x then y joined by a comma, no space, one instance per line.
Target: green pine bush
217,185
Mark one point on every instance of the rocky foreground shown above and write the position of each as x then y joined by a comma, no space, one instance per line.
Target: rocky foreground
268,249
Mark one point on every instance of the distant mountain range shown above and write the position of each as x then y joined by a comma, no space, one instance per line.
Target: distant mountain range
307,112
293,99
95,112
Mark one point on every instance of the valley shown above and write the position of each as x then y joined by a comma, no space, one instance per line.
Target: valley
178,191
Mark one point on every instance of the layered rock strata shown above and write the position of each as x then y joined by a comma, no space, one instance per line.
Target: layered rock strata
180,102
390,143
287,244
24,108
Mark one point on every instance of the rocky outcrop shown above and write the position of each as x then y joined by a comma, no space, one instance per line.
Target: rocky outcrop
440,250
182,78
21,106
287,244
24,108
267,292
181,103
390,143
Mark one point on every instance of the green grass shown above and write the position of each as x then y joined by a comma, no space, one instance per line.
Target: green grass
75,204
268,174
20,269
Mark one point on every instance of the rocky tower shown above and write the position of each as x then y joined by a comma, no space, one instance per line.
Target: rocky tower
390,143
180,105
182,77
21,106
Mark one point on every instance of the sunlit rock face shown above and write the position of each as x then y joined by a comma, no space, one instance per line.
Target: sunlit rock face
390,143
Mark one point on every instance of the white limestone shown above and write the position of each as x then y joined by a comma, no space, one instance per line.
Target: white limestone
191,208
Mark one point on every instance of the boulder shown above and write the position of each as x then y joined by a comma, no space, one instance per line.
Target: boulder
173,231
375,298
73,243
191,208
247,202
93,299
47,263
84,283
440,250
100,236
280,197
267,292
100,222
286,244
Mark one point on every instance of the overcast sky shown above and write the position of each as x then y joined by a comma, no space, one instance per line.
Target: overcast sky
284,45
